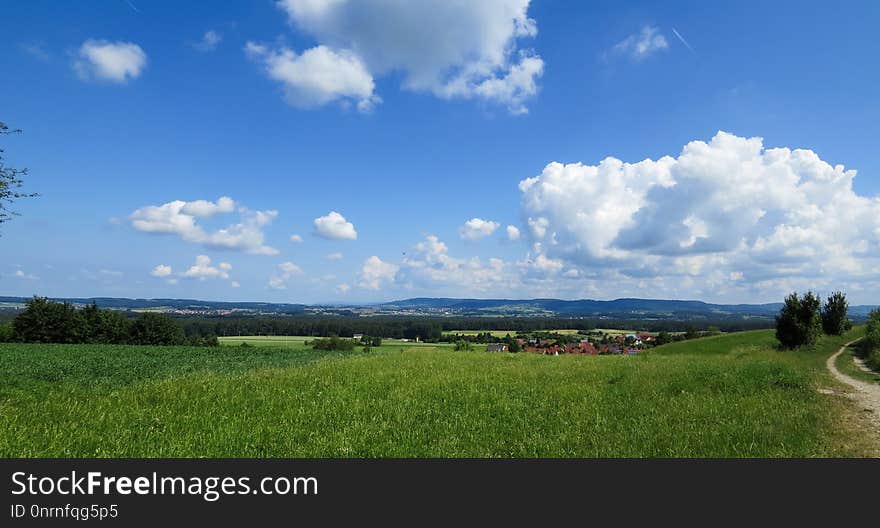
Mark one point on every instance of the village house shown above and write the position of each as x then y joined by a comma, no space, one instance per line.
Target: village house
496,347
583,347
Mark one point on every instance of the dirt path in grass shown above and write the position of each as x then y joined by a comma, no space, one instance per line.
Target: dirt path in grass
867,395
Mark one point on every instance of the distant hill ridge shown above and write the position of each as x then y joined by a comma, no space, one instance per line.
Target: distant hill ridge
589,306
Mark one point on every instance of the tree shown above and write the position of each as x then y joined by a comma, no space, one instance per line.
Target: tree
512,344
104,326
45,321
834,320
663,338
156,329
799,322
10,181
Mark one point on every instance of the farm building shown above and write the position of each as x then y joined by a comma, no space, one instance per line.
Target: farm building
496,347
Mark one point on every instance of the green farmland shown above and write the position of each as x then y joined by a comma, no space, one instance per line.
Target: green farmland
298,342
727,396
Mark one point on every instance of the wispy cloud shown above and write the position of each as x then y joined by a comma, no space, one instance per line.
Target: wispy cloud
36,50
641,45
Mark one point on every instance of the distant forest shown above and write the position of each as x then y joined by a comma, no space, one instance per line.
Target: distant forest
429,328
424,327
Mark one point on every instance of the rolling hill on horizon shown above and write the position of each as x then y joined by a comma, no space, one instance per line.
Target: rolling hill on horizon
630,308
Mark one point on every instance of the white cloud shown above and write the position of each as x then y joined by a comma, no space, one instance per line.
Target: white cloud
375,273
727,216
180,218
235,284
203,270
429,265
286,270
467,50
317,76
342,288
334,226
477,228
513,233
19,274
641,45
161,271
205,208
109,61
333,256
209,41
296,239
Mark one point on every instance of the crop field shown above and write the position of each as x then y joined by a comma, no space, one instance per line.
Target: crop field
728,396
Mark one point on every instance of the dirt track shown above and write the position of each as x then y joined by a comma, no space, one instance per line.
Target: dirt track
865,394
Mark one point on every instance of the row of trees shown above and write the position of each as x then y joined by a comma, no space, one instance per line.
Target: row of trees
432,328
803,318
45,321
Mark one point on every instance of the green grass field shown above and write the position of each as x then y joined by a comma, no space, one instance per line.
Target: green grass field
728,396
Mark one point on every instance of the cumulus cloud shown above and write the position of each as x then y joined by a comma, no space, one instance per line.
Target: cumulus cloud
724,215
209,41
641,45
334,226
429,265
286,270
180,218
513,233
317,76
203,269
375,273
342,288
477,228
116,62
161,271
467,50
296,239
333,257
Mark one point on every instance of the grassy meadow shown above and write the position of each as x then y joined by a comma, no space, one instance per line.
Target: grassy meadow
727,396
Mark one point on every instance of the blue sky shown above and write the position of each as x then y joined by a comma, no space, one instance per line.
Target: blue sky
410,129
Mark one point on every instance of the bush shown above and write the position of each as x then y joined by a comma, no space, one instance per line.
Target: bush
333,343
799,322
205,341
462,345
5,332
834,320
156,329
871,344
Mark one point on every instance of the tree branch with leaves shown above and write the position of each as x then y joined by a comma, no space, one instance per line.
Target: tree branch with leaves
10,181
